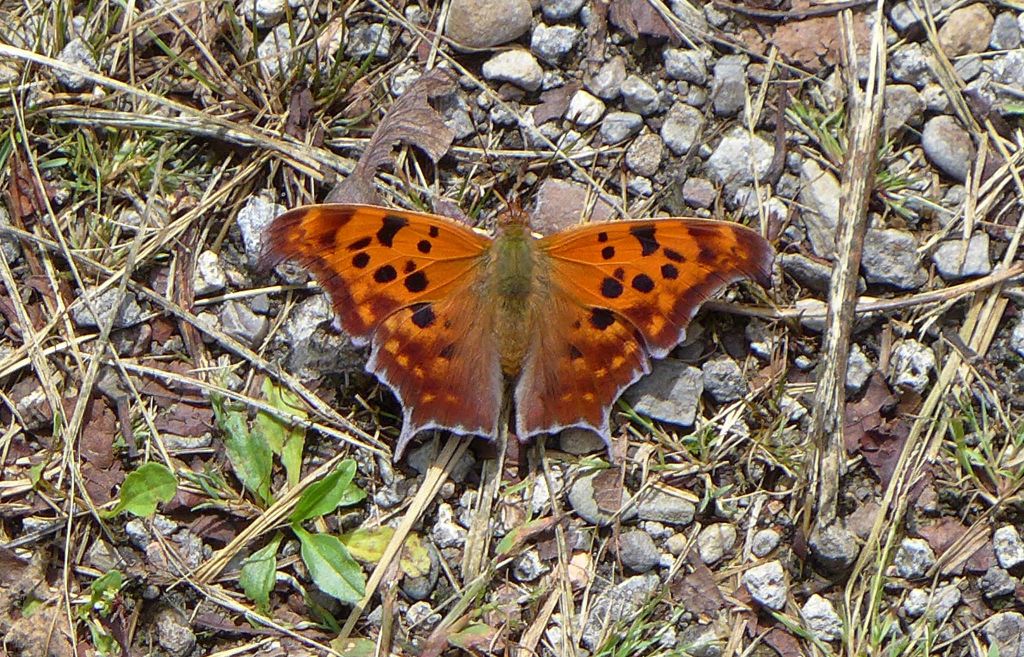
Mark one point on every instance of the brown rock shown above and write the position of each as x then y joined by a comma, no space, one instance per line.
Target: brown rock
966,31
487,23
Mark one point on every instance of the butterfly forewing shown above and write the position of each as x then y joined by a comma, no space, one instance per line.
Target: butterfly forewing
373,261
655,273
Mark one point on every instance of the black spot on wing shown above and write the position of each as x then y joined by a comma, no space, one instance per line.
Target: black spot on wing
707,256
385,274
674,256
360,260
360,244
608,252
642,283
619,273
574,352
602,237
416,282
611,288
601,318
447,351
644,234
410,266
669,272
424,246
423,316
389,228
434,231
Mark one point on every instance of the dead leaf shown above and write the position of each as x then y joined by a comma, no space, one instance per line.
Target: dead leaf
866,413
608,491
184,419
698,593
300,110
814,42
639,17
784,643
411,120
554,103
881,448
942,534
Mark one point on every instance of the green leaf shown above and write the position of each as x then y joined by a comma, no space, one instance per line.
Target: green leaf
249,453
326,495
144,488
285,440
473,637
333,570
259,573
354,647
368,545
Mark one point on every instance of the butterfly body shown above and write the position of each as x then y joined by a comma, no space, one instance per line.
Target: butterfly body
565,322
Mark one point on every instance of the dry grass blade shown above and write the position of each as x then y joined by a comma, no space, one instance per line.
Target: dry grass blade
857,185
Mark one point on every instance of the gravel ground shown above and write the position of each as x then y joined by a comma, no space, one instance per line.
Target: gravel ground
147,152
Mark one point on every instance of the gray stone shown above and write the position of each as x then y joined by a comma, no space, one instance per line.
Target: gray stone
252,221
8,243
644,155
607,82
580,441
909,64
759,336
210,276
811,274
715,541
421,615
687,65
669,393
262,14
1005,632
1008,546
767,584
738,157
640,96
729,88
702,640
446,533
487,23
640,186
1017,337
368,40
902,16
76,53
585,109
890,258
617,603
620,126
938,605
313,352
516,66
276,51
996,583
126,310
858,370
914,558
1008,69
528,566
764,542
583,501
911,365
948,146
455,114
723,379
173,632
243,324
661,505
834,548
903,106
819,195
821,618
559,10
954,262
552,43
637,551
682,128
699,192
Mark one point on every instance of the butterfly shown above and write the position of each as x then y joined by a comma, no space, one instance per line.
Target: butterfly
563,324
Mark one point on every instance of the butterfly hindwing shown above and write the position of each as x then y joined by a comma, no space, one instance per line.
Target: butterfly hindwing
579,361
441,360
373,261
655,273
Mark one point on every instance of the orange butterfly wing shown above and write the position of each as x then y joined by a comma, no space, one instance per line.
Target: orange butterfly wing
622,292
407,283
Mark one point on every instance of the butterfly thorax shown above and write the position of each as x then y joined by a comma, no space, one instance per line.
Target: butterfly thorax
514,271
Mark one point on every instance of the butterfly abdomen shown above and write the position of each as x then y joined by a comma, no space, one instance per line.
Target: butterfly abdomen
513,276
